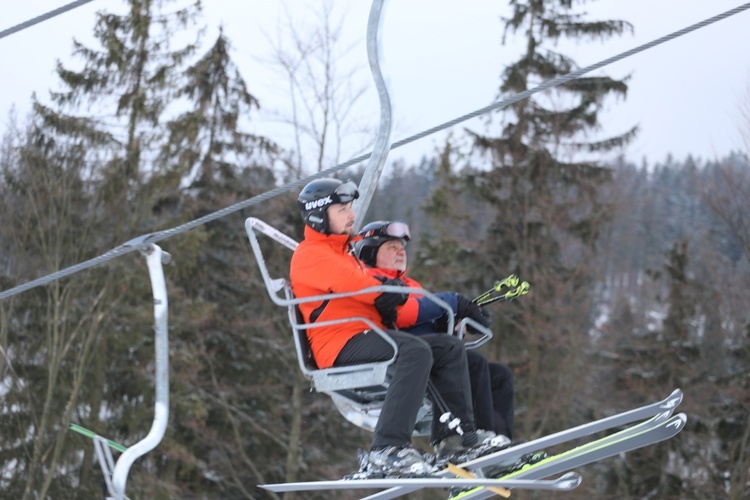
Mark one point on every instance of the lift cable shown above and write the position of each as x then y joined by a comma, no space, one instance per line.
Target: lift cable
144,240
39,19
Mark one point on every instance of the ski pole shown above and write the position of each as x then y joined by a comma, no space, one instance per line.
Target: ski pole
509,282
446,417
522,289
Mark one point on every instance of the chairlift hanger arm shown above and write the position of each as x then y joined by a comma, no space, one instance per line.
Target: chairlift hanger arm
383,141
116,472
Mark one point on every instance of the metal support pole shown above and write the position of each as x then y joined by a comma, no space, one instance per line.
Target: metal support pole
375,165
154,258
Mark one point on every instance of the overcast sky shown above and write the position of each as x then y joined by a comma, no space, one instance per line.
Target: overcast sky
445,58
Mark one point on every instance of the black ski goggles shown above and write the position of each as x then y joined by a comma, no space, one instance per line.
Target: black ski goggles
393,229
345,192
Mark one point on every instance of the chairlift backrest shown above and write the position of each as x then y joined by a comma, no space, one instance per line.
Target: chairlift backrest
301,337
323,379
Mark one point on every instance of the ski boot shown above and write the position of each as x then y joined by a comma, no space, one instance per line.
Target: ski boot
454,449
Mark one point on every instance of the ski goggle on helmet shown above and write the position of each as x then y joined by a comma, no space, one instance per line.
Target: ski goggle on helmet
318,195
375,234
392,229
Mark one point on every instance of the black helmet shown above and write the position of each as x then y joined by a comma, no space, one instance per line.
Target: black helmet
315,198
375,234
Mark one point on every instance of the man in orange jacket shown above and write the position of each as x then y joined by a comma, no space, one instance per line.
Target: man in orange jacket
322,265
382,248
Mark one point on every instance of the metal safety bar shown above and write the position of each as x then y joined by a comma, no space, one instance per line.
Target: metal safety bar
484,332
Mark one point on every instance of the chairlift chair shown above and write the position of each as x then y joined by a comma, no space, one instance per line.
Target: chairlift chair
357,391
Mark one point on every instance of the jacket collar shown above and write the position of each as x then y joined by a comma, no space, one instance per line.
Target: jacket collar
392,273
335,240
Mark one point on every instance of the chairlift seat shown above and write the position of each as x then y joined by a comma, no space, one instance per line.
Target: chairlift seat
334,378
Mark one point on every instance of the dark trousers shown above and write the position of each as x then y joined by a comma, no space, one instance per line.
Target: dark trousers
450,374
410,372
492,394
438,357
481,390
501,381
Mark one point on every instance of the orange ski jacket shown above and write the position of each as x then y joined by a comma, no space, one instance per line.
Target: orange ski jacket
320,265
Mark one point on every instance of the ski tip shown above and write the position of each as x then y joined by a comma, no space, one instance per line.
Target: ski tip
569,481
673,400
676,423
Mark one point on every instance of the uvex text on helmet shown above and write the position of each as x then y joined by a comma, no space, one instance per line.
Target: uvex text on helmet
318,195
375,234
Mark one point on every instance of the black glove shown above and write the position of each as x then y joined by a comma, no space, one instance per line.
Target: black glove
387,301
441,324
468,309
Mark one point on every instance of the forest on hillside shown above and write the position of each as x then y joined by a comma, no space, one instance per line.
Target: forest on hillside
638,271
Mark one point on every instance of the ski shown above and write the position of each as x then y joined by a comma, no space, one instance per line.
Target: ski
459,472
591,452
566,482
659,411
654,421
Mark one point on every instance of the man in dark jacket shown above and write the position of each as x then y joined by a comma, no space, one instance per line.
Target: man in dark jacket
382,247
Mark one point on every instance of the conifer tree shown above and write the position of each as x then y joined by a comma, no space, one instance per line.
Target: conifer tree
219,377
50,332
99,137
544,187
531,175
131,77
208,142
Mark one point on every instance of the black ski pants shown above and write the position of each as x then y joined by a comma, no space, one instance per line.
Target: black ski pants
437,357
492,394
450,374
501,382
409,374
481,390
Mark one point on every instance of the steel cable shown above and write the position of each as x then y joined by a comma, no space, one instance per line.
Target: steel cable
140,241
49,15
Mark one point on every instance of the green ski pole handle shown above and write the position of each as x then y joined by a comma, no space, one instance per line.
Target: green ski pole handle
508,282
523,289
